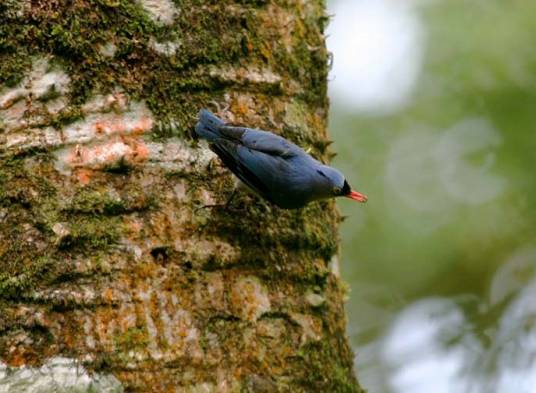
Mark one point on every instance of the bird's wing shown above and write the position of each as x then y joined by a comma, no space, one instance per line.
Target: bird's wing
244,169
262,141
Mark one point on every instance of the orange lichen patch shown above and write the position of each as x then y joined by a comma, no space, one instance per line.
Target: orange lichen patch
120,125
83,175
126,317
133,225
108,295
105,326
140,152
100,128
240,105
22,348
177,324
18,356
125,150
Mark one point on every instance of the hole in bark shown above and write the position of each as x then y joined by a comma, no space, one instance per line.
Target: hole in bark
160,254
120,167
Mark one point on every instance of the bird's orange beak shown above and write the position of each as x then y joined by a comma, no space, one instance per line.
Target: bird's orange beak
357,196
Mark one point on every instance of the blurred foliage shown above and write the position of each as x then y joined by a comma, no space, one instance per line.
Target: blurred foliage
451,176
480,63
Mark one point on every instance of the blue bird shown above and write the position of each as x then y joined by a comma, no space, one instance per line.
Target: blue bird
274,168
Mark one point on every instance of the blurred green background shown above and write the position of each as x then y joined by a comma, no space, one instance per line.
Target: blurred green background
433,112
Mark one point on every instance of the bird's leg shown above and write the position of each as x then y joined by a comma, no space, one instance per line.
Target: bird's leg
226,205
229,200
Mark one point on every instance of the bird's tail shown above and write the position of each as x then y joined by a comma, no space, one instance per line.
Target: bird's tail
208,125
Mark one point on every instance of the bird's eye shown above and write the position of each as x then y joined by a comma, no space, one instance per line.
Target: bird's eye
336,190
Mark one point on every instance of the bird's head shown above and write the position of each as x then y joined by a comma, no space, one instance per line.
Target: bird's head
338,186
346,191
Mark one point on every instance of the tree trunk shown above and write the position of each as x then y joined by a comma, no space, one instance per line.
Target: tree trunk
113,277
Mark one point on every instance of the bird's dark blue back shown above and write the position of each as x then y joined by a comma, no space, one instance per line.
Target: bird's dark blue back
288,179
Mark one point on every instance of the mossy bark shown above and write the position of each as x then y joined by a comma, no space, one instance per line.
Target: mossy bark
105,253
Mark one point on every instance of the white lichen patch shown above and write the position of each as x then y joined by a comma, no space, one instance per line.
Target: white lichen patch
311,327
204,387
42,82
251,75
130,247
11,111
334,266
155,316
59,375
145,295
314,299
138,119
31,138
3,214
178,156
40,92
225,382
108,49
83,295
89,331
161,11
271,327
202,250
116,101
180,332
180,191
110,134
249,298
61,230
166,48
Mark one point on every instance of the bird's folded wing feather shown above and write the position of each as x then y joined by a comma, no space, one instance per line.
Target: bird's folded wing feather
262,141
244,169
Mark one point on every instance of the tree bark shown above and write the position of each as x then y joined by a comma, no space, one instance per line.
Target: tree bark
109,264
